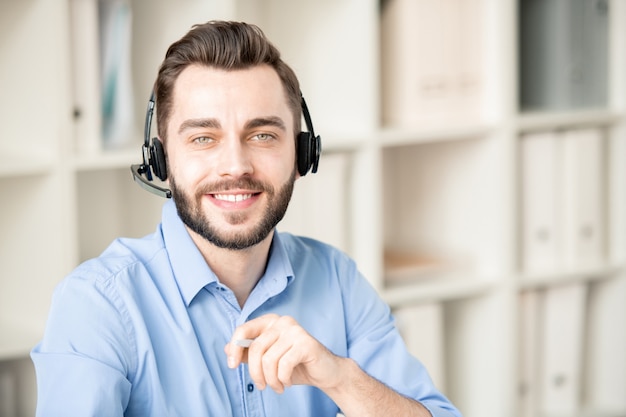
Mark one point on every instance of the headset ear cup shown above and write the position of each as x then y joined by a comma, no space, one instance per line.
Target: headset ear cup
316,150
303,153
157,159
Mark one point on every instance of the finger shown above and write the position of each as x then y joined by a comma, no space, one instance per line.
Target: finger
270,363
272,346
256,352
236,354
268,347
300,363
286,366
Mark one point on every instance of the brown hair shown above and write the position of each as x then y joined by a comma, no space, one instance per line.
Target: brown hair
227,46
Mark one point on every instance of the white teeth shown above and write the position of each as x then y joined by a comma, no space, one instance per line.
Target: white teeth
233,198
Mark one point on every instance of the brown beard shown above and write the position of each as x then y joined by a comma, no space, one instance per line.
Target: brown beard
190,211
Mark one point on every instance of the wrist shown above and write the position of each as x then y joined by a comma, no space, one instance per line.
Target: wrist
345,378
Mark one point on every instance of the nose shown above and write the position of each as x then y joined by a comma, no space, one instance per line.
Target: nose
234,159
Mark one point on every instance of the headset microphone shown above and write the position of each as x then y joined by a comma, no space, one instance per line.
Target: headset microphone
308,151
144,183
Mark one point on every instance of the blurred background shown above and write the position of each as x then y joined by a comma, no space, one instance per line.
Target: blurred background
474,165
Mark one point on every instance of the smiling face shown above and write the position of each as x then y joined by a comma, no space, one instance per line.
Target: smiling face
230,153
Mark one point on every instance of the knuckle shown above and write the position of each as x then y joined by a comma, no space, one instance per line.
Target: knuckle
287,321
272,317
268,361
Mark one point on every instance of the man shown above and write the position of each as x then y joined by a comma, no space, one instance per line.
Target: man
216,314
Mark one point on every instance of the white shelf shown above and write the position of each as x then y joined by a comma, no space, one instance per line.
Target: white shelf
438,289
562,277
556,120
108,160
391,137
600,413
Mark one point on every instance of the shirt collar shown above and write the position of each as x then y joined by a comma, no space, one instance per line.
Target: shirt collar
191,271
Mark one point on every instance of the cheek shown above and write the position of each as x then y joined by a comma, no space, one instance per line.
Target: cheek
185,168
280,167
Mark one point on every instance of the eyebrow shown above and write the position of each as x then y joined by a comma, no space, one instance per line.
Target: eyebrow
266,121
215,124
195,123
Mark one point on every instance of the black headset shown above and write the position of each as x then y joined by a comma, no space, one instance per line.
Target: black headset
308,151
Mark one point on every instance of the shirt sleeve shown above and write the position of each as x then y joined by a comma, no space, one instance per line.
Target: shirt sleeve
83,361
376,345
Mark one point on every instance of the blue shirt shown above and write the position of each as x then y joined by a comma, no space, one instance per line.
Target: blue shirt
140,331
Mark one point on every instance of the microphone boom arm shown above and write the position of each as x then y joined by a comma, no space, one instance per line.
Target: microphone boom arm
137,170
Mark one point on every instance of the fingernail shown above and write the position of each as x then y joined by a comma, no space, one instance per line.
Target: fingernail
231,362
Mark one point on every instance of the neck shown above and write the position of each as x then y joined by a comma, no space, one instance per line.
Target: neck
239,270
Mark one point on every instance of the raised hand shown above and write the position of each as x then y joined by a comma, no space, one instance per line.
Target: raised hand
282,354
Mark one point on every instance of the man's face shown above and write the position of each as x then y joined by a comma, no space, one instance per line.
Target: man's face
231,153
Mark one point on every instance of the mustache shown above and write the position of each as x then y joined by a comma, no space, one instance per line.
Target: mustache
244,183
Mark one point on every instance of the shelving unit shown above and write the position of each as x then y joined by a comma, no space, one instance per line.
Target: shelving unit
447,192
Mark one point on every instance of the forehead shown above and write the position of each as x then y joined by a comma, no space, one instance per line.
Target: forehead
200,90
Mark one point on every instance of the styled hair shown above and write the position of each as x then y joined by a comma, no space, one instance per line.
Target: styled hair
223,45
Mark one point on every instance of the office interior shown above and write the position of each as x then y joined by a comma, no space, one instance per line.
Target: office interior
474,165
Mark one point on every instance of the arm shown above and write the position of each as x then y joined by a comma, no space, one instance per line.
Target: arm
284,354
362,395
79,371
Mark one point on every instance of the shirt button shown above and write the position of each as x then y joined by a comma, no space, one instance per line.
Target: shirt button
250,387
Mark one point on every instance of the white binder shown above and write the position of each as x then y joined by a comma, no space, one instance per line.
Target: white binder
421,327
562,350
540,189
529,353
583,196
431,53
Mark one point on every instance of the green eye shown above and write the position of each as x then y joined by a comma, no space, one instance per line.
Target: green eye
203,139
263,137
